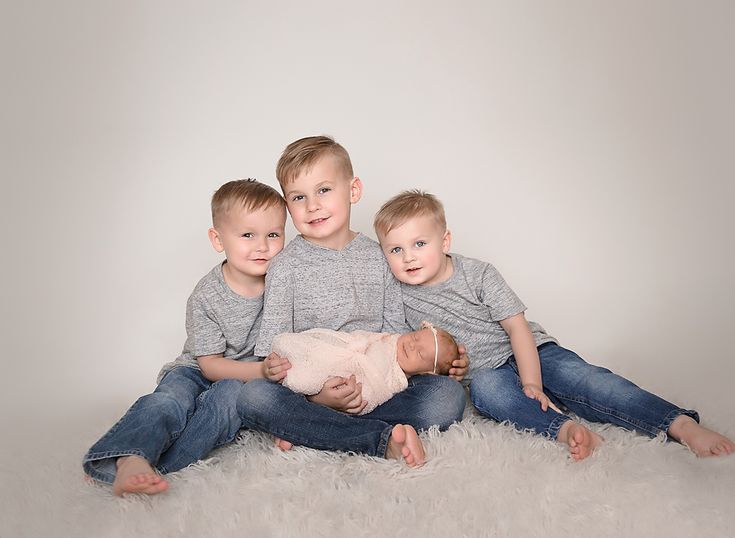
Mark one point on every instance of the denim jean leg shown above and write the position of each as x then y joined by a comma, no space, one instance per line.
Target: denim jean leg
149,426
272,408
429,400
598,395
214,423
498,394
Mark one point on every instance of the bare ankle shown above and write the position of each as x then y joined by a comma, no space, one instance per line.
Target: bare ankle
679,426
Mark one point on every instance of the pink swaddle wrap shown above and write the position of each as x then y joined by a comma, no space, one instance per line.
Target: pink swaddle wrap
318,354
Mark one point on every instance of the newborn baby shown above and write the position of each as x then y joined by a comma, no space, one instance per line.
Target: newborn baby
382,362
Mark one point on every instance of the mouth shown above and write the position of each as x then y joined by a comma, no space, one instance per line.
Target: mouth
260,260
413,270
318,221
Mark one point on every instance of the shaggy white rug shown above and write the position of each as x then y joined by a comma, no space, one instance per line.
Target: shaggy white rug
482,479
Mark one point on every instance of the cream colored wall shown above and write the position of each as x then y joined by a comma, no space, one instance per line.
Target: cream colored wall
585,148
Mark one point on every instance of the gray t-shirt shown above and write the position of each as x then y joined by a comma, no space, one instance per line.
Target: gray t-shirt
309,286
470,305
218,320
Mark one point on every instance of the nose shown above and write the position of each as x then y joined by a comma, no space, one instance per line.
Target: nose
262,245
408,256
312,204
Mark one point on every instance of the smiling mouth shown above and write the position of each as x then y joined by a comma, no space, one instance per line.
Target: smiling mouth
413,270
318,221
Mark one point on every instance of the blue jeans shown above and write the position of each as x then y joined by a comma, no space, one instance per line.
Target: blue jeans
270,407
155,422
592,393
428,401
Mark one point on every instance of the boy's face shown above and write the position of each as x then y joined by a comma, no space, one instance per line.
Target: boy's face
319,201
416,251
415,352
250,239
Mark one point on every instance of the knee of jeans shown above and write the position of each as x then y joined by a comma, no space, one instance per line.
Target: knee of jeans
255,395
162,404
489,389
223,394
447,404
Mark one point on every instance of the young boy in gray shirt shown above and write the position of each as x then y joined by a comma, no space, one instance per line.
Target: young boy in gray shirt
223,316
518,372
332,277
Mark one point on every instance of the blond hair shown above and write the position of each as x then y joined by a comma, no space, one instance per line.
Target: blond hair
407,205
301,155
448,351
248,194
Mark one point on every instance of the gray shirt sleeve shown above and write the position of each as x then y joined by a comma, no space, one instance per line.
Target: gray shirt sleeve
278,309
203,331
497,295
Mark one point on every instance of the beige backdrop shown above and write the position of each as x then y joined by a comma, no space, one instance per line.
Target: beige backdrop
585,148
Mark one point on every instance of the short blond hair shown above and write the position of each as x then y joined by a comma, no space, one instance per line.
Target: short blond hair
301,155
448,351
248,194
407,205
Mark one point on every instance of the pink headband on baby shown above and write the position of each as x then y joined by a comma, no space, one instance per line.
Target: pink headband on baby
428,325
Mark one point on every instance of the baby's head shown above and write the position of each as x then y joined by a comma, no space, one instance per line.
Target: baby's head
412,231
426,351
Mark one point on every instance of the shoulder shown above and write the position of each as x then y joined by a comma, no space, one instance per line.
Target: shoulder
368,250
472,269
293,255
208,284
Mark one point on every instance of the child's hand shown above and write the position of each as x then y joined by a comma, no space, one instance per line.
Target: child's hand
275,367
537,393
461,365
342,394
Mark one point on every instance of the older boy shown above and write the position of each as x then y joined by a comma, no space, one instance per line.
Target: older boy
473,302
332,277
223,316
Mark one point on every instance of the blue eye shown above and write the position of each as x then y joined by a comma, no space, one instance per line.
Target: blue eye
420,243
395,250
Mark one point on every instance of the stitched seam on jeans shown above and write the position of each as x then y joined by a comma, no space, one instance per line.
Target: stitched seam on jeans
636,425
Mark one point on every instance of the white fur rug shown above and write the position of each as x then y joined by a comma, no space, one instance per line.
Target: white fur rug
482,479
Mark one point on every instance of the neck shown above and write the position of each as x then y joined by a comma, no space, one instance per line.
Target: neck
244,285
336,241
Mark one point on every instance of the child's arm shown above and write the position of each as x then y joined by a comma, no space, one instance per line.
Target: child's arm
216,367
526,355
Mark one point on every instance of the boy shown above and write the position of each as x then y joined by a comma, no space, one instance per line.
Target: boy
382,362
332,277
473,302
223,316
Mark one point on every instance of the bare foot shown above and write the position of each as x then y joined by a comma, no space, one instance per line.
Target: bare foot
581,441
700,440
404,443
135,475
283,444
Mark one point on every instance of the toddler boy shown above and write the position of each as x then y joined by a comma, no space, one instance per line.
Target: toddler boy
473,302
223,316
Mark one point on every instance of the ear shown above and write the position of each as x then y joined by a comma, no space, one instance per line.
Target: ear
446,242
355,190
214,238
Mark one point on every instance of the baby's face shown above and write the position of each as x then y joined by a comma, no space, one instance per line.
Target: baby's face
416,351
